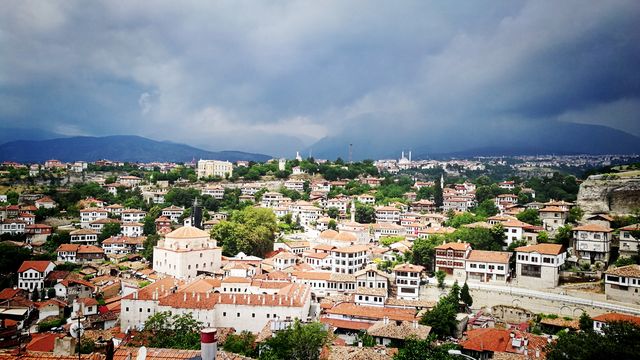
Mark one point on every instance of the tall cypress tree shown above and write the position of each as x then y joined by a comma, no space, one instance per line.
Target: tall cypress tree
465,296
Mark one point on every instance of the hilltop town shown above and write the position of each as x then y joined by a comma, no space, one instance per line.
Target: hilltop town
486,257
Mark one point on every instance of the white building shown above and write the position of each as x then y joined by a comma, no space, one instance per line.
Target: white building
629,244
117,245
84,237
387,214
185,252
350,259
132,215
13,226
623,284
31,274
538,266
216,192
488,266
592,243
207,168
91,214
132,229
173,212
408,280
297,185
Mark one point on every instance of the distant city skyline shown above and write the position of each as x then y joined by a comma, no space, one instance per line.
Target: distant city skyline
277,77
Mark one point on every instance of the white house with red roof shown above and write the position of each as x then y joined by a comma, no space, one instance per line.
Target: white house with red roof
538,266
592,243
46,203
628,243
451,258
408,281
488,266
12,226
623,284
600,321
91,214
31,274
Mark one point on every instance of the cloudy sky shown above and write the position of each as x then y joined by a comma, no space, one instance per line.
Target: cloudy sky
275,76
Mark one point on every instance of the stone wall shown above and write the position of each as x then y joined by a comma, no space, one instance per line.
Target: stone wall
615,194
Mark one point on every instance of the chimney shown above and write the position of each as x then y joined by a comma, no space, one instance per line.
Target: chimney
208,343
415,324
385,320
198,298
184,297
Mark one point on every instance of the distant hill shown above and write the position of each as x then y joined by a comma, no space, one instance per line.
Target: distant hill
117,148
530,139
13,134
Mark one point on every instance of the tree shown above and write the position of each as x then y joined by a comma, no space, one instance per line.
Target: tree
333,212
297,342
575,215
440,275
35,295
543,237
619,340
563,236
465,296
423,349
109,230
365,214
586,323
442,318
333,225
242,344
438,198
530,216
175,332
51,293
423,251
487,208
149,243
465,218
251,230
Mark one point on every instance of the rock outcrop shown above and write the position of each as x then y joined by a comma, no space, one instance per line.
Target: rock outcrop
618,194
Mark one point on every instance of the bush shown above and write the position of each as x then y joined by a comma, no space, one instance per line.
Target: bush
48,325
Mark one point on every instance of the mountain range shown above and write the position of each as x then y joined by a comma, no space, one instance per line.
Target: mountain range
117,148
554,137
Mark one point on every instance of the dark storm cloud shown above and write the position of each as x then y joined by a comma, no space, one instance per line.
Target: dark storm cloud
274,76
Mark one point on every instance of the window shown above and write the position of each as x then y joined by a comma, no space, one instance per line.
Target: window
253,315
224,313
238,315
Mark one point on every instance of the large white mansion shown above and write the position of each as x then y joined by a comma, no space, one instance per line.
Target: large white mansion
185,252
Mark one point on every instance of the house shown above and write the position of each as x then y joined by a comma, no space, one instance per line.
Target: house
628,243
460,203
130,181
503,200
387,214
115,209
507,185
186,252
423,205
280,261
341,203
73,288
272,199
216,192
350,259
27,218
408,280
98,225
451,258
37,232
488,266
386,229
132,215
623,284
488,343
173,212
367,199
46,203
372,278
85,306
123,245
553,217
84,237
516,230
13,227
538,266
352,317
79,253
295,185
31,274
387,332
600,321
214,168
592,243
50,307
91,214
132,229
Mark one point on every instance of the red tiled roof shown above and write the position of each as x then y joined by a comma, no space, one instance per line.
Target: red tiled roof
38,265
547,249
346,324
43,342
610,317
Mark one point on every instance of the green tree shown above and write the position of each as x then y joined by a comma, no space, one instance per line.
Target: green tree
242,344
543,237
586,323
465,296
440,276
12,197
173,331
109,230
333,225
442,318
564,235
424,349
333,212
619,340
487,208
149,243
575,215
297,342
365,214
461,219
423,251
251,230
437,194
530,216
51,293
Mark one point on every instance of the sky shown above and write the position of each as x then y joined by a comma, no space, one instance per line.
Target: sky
277,76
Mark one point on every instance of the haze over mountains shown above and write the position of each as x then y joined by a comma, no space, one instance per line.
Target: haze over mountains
116,148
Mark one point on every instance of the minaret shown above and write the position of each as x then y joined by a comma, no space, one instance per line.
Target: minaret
441,181
409,155
353,211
